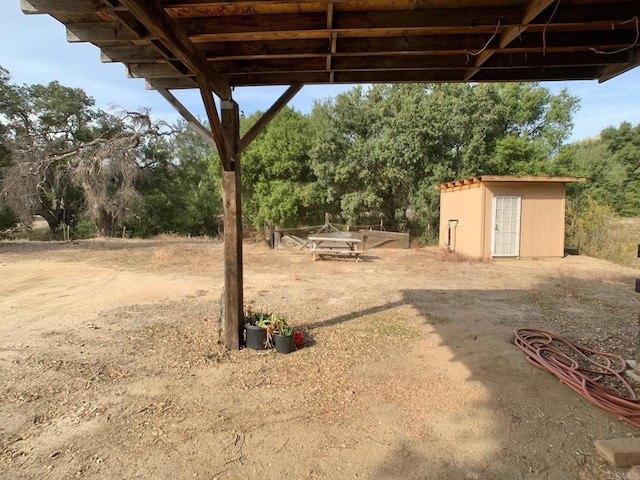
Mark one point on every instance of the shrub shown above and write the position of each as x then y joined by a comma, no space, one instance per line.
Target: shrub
84,229
596,230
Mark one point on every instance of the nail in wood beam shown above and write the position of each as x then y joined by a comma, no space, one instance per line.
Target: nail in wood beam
232,201
267,117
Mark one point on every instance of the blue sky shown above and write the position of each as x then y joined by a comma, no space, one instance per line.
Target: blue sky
34,50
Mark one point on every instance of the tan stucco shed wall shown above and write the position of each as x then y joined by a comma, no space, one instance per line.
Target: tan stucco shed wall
464,204
542,216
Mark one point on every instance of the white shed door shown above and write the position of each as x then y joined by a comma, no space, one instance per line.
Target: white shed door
506,226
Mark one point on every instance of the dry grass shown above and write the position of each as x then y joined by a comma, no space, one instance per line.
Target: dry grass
626,235
444,255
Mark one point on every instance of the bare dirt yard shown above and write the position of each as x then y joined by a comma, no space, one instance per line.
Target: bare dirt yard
110,366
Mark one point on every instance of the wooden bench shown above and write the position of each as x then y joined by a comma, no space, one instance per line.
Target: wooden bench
321,245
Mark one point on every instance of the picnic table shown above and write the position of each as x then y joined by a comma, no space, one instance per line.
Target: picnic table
332,245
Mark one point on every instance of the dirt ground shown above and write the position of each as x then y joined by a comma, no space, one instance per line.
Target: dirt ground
110,366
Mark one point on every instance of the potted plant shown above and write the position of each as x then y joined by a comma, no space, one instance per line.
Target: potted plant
256,330
282,335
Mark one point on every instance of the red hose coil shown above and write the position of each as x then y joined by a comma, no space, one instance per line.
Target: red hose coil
581,369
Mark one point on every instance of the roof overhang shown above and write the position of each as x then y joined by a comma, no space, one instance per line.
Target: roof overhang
508,179
177,44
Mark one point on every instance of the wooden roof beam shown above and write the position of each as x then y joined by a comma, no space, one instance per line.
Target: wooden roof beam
397,62
188,116
538,74
334,41
214,121
60,6
600,40
531,11
223,3
524,74
130,54
607,73
404,47
175,83
221,50
99,32
553,59
405,21
162,27
152,70
264,120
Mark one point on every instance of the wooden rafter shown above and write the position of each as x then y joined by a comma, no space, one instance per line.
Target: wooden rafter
264,120
283,42
613,71
214,121
162,27
100,32
531,11
189,117
59,6
334,39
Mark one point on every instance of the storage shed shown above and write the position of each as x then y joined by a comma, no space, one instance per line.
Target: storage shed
504,216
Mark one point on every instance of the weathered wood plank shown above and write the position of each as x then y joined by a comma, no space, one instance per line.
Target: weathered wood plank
188,116
439,75
129,54
413,44
176,83
273,65
151,70
553,59
232,186
246,24
335,251
221,50
537,74
163,27
278,79
60,6
100,32
214,121
612,71
373,20
531,11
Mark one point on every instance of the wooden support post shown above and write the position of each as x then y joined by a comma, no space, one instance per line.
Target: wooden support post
231,184
277,236
637,368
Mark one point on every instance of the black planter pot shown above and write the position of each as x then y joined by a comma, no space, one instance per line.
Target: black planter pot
284,343
256,337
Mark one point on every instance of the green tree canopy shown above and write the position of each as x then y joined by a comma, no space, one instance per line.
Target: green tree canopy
611,164
279,183
380,151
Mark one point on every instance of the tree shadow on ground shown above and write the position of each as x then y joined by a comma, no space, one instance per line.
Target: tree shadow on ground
521,423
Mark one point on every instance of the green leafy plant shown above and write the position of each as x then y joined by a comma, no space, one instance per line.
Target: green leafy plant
273,323
281,325
258,319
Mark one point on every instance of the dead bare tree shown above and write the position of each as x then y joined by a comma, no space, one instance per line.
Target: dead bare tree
98,175
106,170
